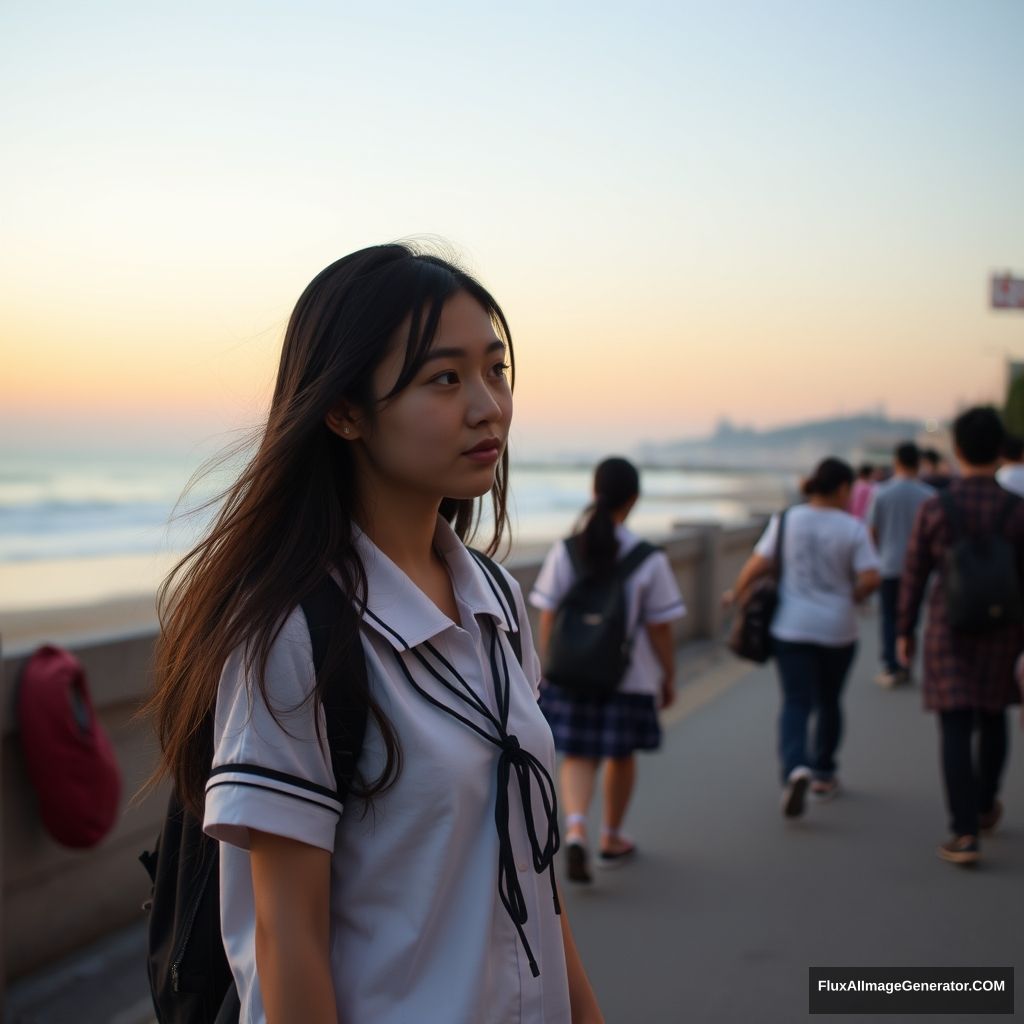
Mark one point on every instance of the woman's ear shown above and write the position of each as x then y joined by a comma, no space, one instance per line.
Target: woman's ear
344,421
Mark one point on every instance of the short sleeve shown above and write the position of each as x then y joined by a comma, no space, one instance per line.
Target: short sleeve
554,579
865,556
660,599
271,768
765,547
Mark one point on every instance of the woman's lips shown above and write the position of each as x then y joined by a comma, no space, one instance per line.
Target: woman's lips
485,453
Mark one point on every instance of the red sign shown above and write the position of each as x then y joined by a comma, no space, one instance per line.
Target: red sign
1007,292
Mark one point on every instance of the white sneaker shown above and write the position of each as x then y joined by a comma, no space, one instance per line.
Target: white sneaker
795,793
887,679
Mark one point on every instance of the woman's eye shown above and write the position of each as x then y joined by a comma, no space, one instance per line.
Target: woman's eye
448,377
500,369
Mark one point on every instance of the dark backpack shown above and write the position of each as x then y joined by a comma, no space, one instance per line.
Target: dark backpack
751,634
189,976
589,646
981,581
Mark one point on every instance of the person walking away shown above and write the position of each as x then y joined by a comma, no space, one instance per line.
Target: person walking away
968,664
863,491
428,895
891,520
829,565
591,730
1010,474
935,470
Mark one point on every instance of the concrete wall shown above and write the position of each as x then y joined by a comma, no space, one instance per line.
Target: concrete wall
54,900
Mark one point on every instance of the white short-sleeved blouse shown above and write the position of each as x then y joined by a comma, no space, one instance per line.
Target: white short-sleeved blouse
823,550
652,597
418,930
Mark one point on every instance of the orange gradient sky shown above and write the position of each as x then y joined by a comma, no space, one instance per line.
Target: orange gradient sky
770,212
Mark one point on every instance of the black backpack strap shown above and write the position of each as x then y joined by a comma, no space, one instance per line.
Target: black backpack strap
626,566
572,549
496,576
622,568
346,716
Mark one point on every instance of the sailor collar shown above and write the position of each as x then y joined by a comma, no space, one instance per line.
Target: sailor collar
403,615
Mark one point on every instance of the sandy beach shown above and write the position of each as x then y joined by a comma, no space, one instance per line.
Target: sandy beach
62,601
67,599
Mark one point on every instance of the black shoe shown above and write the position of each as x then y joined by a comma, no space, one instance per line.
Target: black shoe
795,793
576,863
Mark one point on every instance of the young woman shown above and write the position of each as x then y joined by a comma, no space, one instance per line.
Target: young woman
591,730
829,565
419,900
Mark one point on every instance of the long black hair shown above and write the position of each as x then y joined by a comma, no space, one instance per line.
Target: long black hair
288,519
616,483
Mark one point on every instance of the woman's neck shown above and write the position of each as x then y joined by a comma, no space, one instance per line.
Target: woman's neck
403,530
825,501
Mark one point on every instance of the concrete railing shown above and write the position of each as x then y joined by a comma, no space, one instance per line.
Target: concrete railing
55,900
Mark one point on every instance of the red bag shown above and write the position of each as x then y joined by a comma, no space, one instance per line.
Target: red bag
70,759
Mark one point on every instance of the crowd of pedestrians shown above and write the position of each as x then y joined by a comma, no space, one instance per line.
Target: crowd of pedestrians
912,536
951,542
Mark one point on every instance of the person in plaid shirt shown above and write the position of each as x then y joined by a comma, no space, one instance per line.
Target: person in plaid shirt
968,677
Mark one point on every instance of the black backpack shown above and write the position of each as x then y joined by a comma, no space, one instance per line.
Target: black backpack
589,647
189,976
981,581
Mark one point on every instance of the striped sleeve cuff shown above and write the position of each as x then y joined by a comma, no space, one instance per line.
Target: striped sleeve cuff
240,797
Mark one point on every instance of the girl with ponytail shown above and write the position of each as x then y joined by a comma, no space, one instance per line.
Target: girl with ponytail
592,729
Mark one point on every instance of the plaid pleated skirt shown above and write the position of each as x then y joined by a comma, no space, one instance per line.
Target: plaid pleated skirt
615,727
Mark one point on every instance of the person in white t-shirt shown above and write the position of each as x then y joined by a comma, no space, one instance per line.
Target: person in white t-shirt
829,564
428,896
1010,474
589,729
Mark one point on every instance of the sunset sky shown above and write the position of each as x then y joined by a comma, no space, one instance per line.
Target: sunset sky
766,211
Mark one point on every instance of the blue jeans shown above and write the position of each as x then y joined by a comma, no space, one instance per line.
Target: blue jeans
890,594
812,678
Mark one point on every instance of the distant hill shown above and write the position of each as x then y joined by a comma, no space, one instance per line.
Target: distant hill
795,447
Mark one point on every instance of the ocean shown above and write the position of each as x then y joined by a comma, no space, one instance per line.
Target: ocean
67,507
78,531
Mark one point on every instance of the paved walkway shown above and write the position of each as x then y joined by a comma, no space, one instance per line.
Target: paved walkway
729,904
720,917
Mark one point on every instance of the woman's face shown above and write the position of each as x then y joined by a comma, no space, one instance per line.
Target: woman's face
442,435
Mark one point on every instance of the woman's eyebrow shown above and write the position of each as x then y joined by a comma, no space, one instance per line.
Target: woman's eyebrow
460,353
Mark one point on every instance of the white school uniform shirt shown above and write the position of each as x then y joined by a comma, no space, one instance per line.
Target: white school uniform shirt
823,550
1011,477
418,931
652,597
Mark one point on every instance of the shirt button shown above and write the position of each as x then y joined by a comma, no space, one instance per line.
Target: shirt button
521,866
